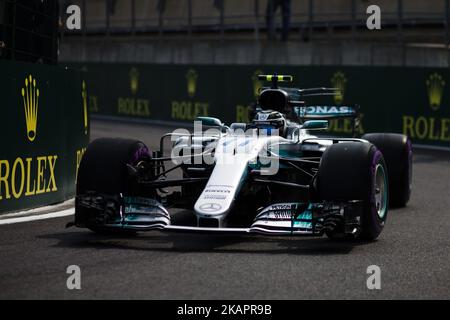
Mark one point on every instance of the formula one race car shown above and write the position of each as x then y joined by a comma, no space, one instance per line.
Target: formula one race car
278,175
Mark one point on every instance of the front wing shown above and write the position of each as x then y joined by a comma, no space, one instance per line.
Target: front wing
143,214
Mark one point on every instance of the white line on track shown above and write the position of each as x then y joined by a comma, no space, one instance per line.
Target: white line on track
57,214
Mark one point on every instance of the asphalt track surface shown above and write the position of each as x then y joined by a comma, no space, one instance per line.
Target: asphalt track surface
413,253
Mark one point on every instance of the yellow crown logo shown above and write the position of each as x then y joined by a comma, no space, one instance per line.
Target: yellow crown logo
30,95
134,80
85,109
191,77
435,85
257,84
338,80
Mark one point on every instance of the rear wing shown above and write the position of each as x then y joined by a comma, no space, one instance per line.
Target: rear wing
326,112
330,112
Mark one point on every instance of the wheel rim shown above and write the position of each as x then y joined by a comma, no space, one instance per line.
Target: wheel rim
380,191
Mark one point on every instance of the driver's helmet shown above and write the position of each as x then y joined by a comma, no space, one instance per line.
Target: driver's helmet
270,121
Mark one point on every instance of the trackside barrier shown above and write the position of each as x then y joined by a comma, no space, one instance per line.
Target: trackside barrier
44,130
414,101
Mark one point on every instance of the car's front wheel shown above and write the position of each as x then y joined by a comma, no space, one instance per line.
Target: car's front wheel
103,171
356,171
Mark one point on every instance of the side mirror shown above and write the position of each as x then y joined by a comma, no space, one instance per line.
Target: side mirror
210,121
315,125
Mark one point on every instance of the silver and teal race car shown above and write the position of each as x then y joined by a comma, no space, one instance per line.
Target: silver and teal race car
280,174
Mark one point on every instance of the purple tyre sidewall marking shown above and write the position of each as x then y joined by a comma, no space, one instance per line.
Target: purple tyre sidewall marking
141,153
409,150
375,159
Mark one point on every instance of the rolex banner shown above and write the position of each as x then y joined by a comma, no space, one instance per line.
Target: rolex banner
44,131
413,101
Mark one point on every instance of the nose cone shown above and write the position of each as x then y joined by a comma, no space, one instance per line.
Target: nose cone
232,157
218,196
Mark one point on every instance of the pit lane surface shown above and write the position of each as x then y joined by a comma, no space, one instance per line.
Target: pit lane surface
413,253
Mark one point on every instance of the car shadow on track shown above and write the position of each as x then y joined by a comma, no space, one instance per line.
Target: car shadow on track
191,243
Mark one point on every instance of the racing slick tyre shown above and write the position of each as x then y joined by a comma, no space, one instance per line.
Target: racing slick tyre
355,171
397,152
103,170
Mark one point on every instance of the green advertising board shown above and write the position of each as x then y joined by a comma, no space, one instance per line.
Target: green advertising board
413,101
44,131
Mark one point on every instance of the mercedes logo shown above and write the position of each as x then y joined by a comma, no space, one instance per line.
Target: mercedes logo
210,207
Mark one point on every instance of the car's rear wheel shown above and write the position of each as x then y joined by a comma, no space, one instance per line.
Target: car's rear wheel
355,171
397,152
103,170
